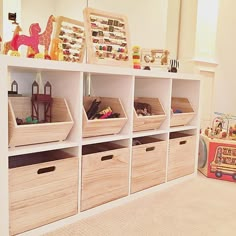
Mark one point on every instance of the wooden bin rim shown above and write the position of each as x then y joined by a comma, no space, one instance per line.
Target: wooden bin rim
190,107
100,147
174,135
147,140
38,158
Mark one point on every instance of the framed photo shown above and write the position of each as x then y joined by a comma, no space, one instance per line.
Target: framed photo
107,38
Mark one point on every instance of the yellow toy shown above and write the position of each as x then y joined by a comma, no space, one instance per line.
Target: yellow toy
56,52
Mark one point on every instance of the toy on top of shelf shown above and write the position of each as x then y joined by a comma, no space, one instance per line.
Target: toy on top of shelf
71,46
7,45
0,44
107,38
174,65
164,57
45,37
56,52
136,57
32,40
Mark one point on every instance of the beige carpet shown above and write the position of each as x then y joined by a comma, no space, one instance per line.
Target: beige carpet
199,206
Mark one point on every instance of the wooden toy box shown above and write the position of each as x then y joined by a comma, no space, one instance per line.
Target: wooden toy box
182,104
43,188
149,122
57,130
105,173
148,163
182,148
103,126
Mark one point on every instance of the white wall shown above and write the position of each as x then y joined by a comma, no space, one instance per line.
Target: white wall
225,80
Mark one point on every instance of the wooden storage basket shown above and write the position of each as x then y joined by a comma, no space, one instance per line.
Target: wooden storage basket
149,122
182,154
43,188
148,163
103,126
183,104
105,174
57,130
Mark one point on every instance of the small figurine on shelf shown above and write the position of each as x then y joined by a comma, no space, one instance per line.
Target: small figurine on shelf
0,44
56,51
164,57
174,65
136,57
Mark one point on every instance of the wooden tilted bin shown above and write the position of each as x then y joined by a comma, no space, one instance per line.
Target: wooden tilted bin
182,148
187,112
105,174
153,121
43,188
57,130
148,163
103,126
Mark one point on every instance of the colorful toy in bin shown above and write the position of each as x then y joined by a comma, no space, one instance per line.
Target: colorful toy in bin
136,57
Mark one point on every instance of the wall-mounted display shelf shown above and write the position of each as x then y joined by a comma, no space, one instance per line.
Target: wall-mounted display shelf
128,161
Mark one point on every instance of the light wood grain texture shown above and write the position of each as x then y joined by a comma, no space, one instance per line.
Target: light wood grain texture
57,130
148,163
93,58
187,114
104,180
80,43
103,126
149,122
38,199
181,161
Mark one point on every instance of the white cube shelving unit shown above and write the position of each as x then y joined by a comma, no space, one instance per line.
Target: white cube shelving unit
68,81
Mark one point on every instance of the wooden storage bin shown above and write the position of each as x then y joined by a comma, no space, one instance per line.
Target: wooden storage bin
183,104
149,122
43,188
57,130
148,163
103,126
105,174
182,148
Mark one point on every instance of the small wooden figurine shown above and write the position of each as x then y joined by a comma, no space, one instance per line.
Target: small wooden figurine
56,52
7,45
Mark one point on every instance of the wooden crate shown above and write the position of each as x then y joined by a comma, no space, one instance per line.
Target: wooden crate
149,122
57,130
43,188
182,148
105,174
148,163
103,126
107,38
183,104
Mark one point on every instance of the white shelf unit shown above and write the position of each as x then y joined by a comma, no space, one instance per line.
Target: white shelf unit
67,81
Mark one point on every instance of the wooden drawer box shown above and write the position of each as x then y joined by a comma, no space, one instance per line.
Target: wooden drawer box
43,188
149,122
182,149
107,126
187,112
105,174
148,163
57,130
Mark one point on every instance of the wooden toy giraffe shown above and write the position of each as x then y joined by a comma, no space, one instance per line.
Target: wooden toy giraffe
45,37
7,45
